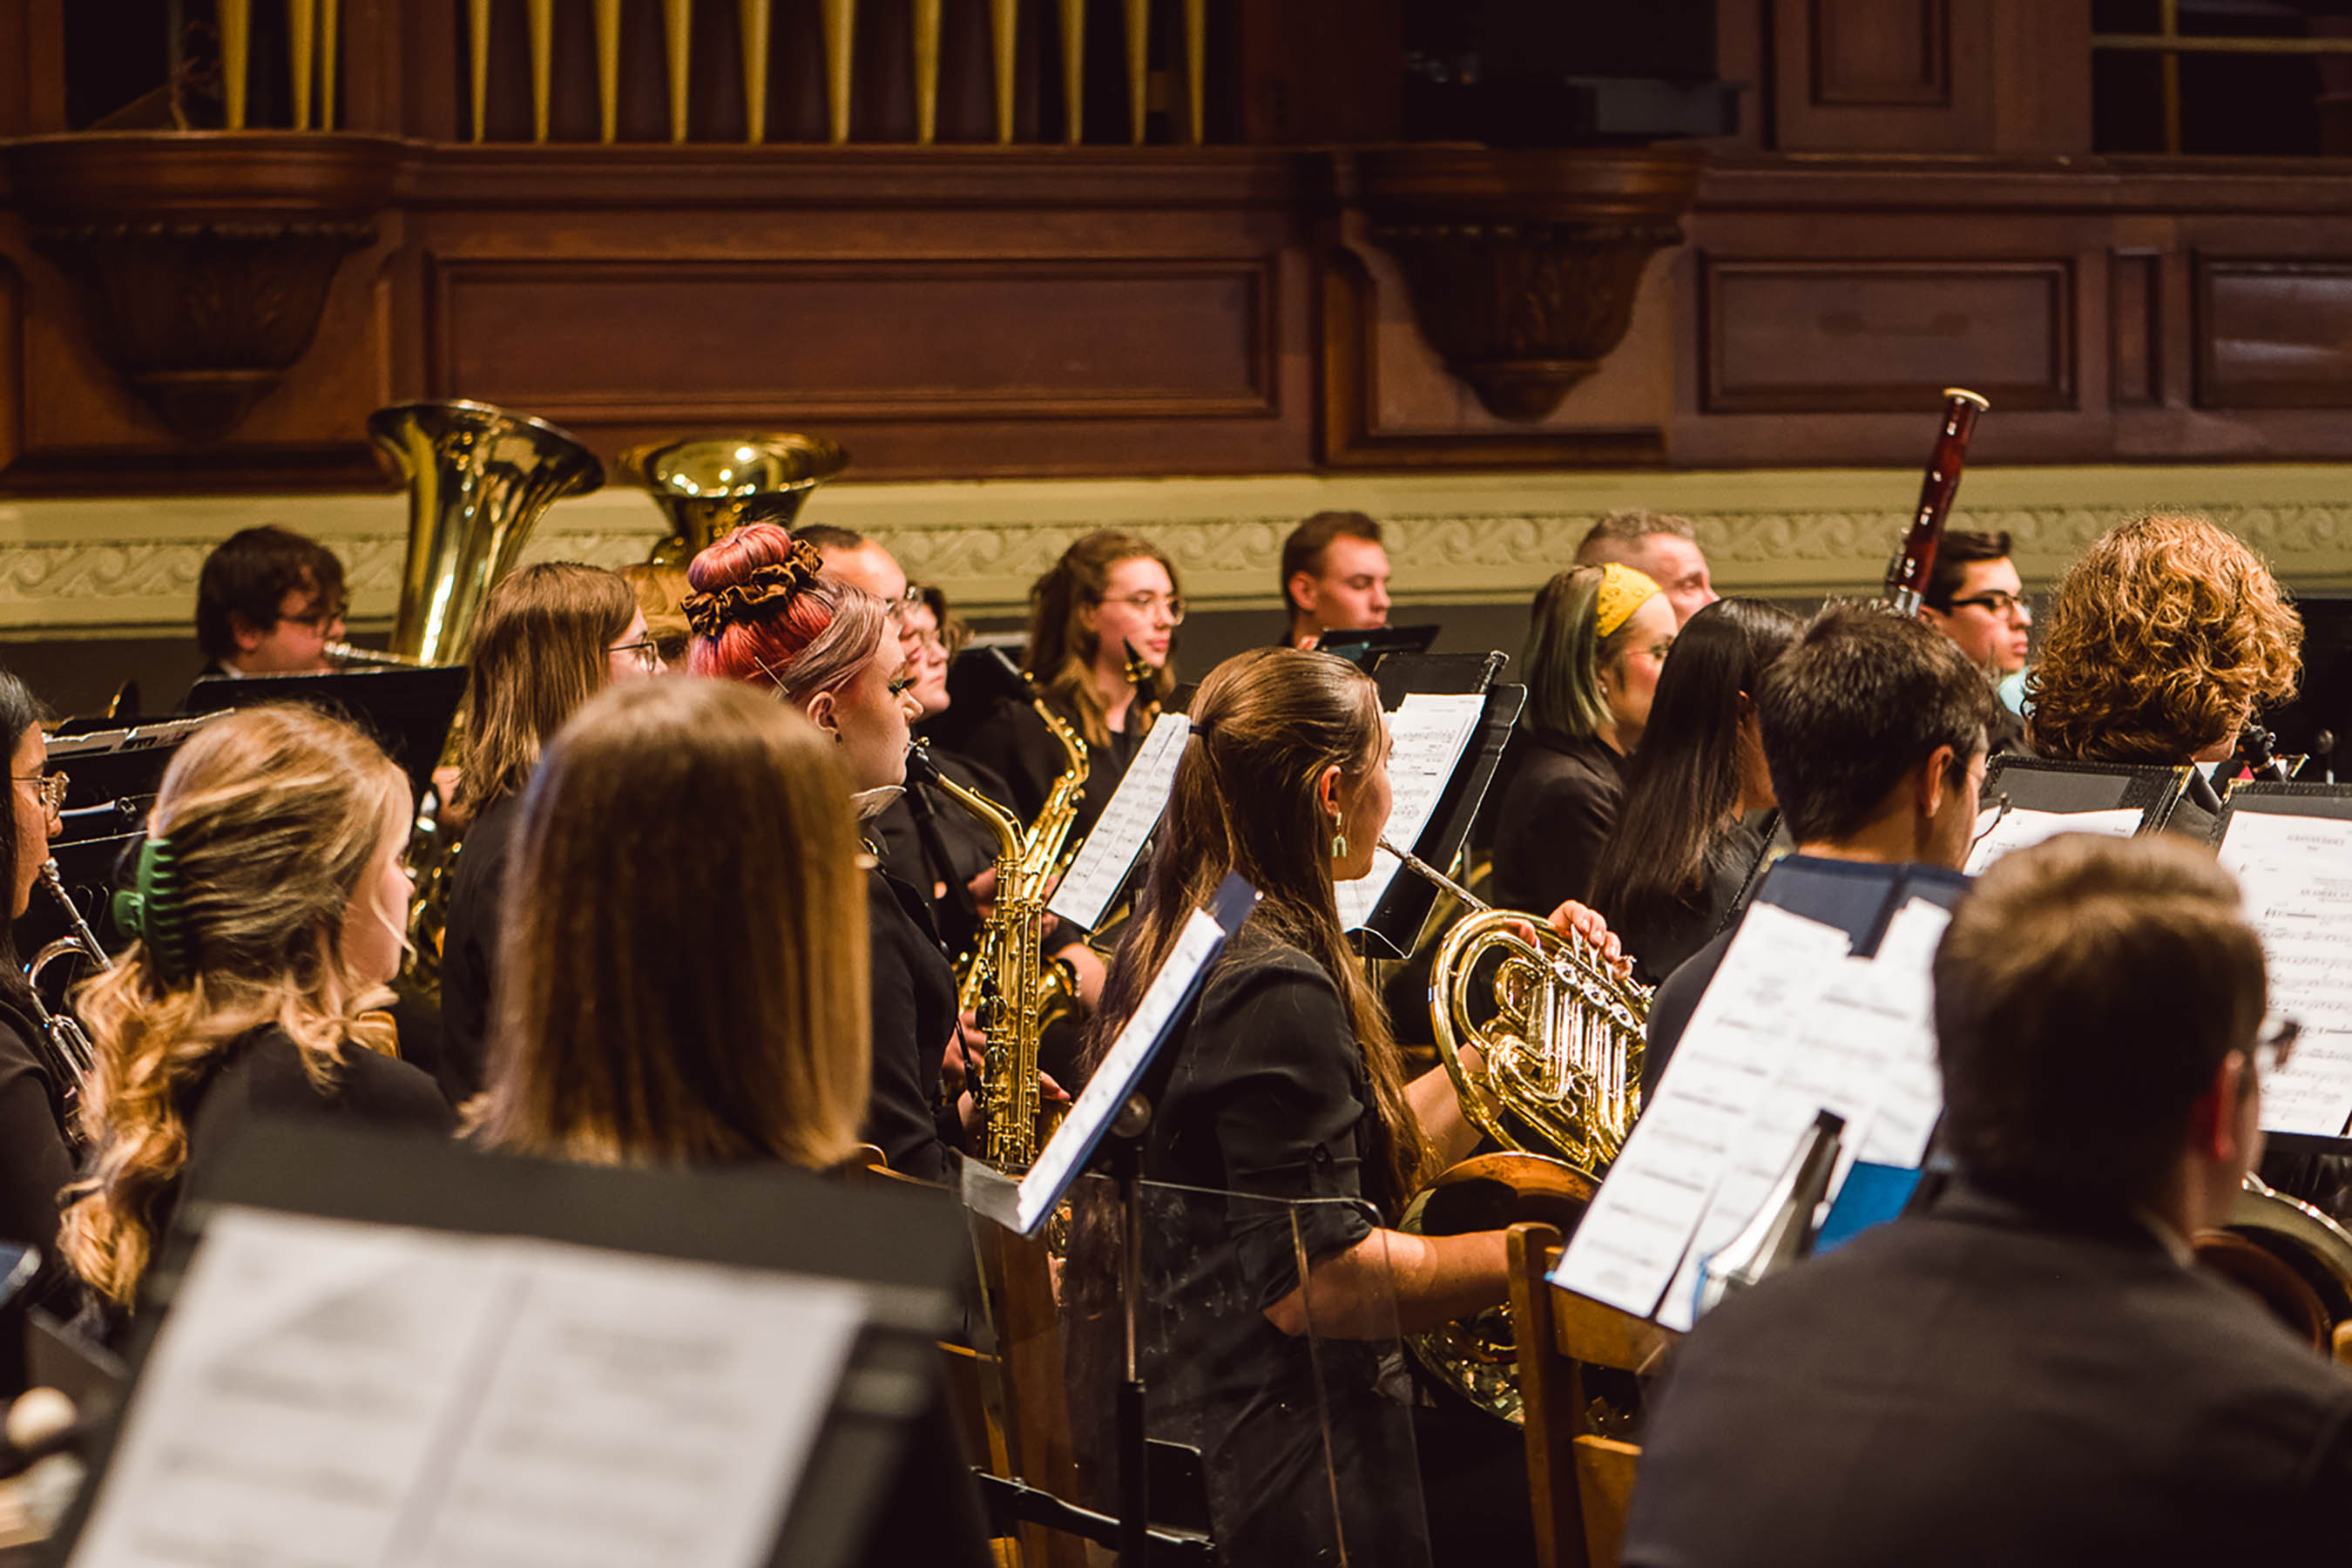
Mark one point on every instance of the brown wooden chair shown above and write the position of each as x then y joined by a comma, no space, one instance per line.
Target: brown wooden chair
1028,1404
1581,1481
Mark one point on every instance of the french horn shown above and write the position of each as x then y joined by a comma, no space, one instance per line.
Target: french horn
2294,1258
707,485
1554,1079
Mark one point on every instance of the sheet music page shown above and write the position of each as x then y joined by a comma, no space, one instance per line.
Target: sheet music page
333,1392
2018,829
1426,733
2296,875
1632,1239
1103,861
1865,1050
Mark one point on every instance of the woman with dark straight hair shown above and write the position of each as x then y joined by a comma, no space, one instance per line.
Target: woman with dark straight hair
551,636
660,1003
1683,844
35,1165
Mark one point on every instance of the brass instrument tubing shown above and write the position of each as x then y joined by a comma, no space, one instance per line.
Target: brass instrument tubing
1074,71
543,64
677,31
1004,33
840,47
477,32
1139,68
302,40
236,17
330,17
757,15
85,938
926,71
608,70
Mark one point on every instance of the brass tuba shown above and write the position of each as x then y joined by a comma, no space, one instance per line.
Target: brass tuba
1555,1079
708,484
478,480
2294,1257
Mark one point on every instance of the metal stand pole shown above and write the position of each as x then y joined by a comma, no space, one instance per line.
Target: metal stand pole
1134,1449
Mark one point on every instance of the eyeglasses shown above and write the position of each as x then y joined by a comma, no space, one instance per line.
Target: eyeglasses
896,608
53,788
318,617
1997,602
1144,603
648,652
2274,1046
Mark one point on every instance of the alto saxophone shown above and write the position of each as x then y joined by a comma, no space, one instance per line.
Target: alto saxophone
1009,985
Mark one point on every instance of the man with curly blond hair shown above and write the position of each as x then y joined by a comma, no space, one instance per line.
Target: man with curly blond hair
2162,643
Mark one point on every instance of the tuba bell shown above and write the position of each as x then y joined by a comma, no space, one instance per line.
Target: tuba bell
2294,1258
1555,1079
478,480
706,485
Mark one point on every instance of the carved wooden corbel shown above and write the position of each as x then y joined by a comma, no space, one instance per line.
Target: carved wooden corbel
1523,264
202,259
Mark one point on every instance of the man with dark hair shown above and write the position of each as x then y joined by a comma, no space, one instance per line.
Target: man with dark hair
2034,1370
267,602
1662,547
1873,729
1975,597
1334,576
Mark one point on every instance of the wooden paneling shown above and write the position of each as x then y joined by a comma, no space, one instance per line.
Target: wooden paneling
1798,336
2135,374
1881,54
1124,339
2273,334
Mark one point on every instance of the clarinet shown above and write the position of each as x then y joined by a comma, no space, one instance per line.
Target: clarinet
2258,751
1907,580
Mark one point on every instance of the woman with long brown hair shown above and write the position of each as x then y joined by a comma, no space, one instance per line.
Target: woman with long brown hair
1283,1083
764,613
550,637
34,1160
269,918
725,1018
1108,592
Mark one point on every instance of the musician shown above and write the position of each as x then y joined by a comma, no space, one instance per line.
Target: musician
2163,640
1109,591
765,612
1873,729
1698,798
660,590
1596,646
2034,1372
35,1164
709,1027
550,637
1662,547
1974,596
270,915
1283,1080
1334,576
269,600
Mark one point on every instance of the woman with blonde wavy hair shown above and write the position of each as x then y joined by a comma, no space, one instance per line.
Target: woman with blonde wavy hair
268,917
2161,642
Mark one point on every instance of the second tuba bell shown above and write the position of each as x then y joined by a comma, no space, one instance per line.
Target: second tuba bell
706,485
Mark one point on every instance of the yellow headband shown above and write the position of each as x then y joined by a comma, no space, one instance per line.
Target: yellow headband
1623,592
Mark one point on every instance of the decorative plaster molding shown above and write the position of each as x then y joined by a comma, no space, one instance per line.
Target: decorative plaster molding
113,568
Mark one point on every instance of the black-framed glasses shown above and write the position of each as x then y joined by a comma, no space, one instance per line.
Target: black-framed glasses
53,788
322,614
1144,603
1997,601
648,652
2274,1046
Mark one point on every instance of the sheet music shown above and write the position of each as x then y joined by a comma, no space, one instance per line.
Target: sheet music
2020,829
1103,861
2296,875
1427,735
1632,1238
1866,1048
330,1391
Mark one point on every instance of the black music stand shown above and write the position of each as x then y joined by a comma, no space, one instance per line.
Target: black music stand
1366,648
899,1244
408,711
2041,784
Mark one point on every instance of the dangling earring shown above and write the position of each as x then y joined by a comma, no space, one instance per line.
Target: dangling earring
1338,841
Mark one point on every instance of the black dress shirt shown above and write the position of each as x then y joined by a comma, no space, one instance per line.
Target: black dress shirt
1659,940
1553,819
34,1164
962,849
1014,744
469,945
1989,1383
914,1018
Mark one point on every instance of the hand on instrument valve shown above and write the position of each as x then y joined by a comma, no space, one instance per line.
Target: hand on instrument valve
1575,920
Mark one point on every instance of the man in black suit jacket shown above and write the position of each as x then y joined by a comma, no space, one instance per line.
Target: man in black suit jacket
2034,1372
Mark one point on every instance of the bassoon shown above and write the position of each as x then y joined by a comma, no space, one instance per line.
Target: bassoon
1907,580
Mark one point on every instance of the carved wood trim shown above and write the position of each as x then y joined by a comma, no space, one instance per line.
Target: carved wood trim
1932,88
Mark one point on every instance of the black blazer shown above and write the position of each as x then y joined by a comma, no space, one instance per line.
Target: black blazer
1552,820
34,1164
1988,1383
914,1018
1014,744
469,945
